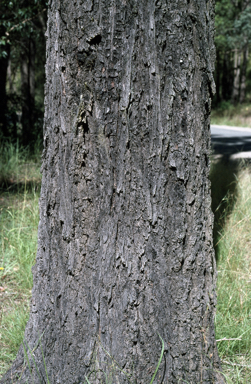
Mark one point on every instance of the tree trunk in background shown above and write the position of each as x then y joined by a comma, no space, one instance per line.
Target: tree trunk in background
9,78
237,73
243,75
227,80
125,249
218,76
28,91
3,97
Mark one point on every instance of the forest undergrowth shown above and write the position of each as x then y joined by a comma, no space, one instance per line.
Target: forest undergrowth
20,181
226,113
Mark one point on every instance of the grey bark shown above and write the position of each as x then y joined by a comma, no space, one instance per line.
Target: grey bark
125,249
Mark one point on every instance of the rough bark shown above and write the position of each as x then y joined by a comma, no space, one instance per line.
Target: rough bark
125,250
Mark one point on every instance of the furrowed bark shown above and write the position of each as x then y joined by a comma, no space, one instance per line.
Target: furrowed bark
125,251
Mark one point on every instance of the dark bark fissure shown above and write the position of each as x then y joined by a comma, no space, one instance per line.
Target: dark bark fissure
125,249
95,40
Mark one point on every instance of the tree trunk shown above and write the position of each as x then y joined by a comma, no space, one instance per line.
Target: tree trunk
28,91
3,96
218,76
237,72
244,75
227,83
125,249
9,78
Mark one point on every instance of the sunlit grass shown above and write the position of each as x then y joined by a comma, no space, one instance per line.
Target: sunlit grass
233,319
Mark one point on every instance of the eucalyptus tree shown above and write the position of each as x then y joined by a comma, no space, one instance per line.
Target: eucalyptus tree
125,271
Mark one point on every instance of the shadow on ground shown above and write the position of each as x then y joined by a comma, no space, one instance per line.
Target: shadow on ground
13,188
9,186
228,146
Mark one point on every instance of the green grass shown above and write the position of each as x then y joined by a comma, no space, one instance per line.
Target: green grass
233,320
18,232
19,167
231,192
234,115
19,192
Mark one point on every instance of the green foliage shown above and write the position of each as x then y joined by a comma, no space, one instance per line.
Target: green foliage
232,41
242,28
224,19
232,24
16,18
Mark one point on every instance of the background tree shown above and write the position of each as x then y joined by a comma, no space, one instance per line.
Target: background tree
125,250
22,59
233,37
